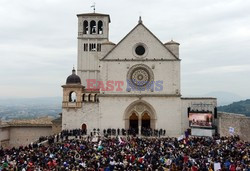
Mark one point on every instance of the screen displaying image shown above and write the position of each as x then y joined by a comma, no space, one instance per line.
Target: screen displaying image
200,119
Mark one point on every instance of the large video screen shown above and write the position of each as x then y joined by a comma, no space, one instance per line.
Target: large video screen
200,119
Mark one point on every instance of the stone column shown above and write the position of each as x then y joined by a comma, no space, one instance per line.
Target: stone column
139,126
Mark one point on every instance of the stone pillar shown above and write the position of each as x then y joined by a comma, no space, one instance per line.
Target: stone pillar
139,126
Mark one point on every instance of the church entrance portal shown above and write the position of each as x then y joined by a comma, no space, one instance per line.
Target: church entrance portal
145,121
133,123
140,118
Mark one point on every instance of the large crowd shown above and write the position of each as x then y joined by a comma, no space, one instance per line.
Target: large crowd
130,153
115,132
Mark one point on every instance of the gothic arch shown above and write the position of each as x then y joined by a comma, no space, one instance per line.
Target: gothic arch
130,108
133,112
85,27
145,115
140,107
100,27
93,27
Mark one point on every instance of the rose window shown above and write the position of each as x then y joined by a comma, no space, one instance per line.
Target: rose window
140,77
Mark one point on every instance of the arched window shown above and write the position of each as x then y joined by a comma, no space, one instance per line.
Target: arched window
100,27
96,98
72,96
89,98
83,97
85,27
92,27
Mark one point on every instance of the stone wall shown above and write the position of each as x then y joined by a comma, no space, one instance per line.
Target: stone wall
56,127
240,123
4,136
24,131
74,118
22,136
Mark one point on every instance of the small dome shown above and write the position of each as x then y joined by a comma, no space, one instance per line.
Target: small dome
172,42
73,78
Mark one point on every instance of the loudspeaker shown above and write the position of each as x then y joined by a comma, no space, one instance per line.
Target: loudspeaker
188,111
215,112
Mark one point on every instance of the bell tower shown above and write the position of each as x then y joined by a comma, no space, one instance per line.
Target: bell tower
72,92
93,30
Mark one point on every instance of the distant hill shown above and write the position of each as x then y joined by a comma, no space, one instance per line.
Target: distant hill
24,108
241,107
224,98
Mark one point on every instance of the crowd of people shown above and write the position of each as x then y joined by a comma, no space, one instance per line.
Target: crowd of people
116,132
130,153
201,123
78,133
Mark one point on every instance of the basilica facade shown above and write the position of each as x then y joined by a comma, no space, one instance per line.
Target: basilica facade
134,84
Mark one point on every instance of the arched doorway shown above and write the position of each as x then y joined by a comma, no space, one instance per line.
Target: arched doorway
144,115
145,124
145,121
133,123
84,128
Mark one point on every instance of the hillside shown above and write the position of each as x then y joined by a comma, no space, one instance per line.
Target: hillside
241,107
25,108
224,98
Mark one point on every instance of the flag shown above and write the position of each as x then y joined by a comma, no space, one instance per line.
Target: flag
120,141
180,137
100,142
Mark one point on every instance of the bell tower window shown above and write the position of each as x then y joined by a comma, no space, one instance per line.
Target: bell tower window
85,27
92,27
99,47
100,27
92,47
72,96
83,97
89,97
85,47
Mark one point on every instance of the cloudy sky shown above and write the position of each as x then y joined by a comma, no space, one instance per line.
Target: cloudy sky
38,42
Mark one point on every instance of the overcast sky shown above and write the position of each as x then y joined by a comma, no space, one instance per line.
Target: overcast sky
38,44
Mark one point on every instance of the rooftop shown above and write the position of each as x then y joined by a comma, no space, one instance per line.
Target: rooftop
43,121
94,14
